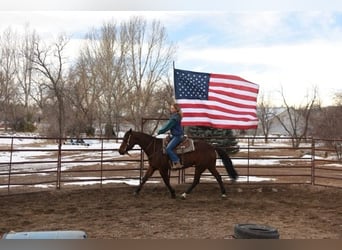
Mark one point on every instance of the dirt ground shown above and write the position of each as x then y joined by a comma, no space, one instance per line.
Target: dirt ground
113,212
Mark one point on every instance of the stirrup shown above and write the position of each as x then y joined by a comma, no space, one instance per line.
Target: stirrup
176,166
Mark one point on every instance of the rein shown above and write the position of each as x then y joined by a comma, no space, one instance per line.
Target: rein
154,148
147,147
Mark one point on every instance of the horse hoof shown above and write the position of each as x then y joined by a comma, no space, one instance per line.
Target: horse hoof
223,196
183,196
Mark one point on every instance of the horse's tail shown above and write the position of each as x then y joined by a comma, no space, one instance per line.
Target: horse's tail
227,162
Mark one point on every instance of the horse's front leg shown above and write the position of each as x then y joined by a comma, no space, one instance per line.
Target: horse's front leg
164,172
147,175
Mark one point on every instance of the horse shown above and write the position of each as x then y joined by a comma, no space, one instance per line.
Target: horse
204,157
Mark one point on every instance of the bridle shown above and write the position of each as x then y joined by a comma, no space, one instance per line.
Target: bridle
127,142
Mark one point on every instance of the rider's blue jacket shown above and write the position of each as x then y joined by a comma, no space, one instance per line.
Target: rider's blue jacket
174,125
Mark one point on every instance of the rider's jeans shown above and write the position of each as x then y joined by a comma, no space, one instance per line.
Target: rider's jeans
175,140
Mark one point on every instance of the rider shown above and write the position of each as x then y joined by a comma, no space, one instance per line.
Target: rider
174,125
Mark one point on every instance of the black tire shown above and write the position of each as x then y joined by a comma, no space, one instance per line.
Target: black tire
254,231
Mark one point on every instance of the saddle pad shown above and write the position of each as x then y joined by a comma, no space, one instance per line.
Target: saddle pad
187,145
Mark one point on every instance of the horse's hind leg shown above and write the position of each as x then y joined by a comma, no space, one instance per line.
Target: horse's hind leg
218,178
198,173
147,175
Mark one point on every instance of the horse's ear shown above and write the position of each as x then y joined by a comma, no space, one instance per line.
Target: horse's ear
130,130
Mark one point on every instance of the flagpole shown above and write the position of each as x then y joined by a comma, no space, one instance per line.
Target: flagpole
173,73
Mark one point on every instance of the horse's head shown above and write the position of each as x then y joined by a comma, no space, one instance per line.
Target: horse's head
127,143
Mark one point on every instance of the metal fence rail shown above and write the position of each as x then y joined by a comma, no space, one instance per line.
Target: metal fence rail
35,163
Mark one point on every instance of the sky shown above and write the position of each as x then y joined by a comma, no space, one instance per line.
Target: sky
291,46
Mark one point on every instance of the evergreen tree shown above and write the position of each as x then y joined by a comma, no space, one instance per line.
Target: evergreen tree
219,137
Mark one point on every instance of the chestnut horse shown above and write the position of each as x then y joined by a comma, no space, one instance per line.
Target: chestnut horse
204,157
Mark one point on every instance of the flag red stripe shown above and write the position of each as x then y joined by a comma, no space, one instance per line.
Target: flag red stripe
234,95
234,86
227,102
212,116
184,105
229,77
233,82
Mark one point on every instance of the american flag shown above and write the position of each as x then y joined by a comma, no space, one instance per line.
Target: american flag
216,100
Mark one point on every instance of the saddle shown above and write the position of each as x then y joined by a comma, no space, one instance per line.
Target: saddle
185,146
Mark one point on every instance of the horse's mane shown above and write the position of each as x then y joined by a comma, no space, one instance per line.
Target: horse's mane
147,136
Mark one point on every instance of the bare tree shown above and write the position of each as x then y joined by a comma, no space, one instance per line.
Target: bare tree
102,60
327,121
109,58
296,123
129,69
338,99
147,64
84,95
265,113
49,62
8,71
24,66
160,104
24,73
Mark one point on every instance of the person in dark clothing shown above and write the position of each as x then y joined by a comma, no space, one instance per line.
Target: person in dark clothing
177,133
